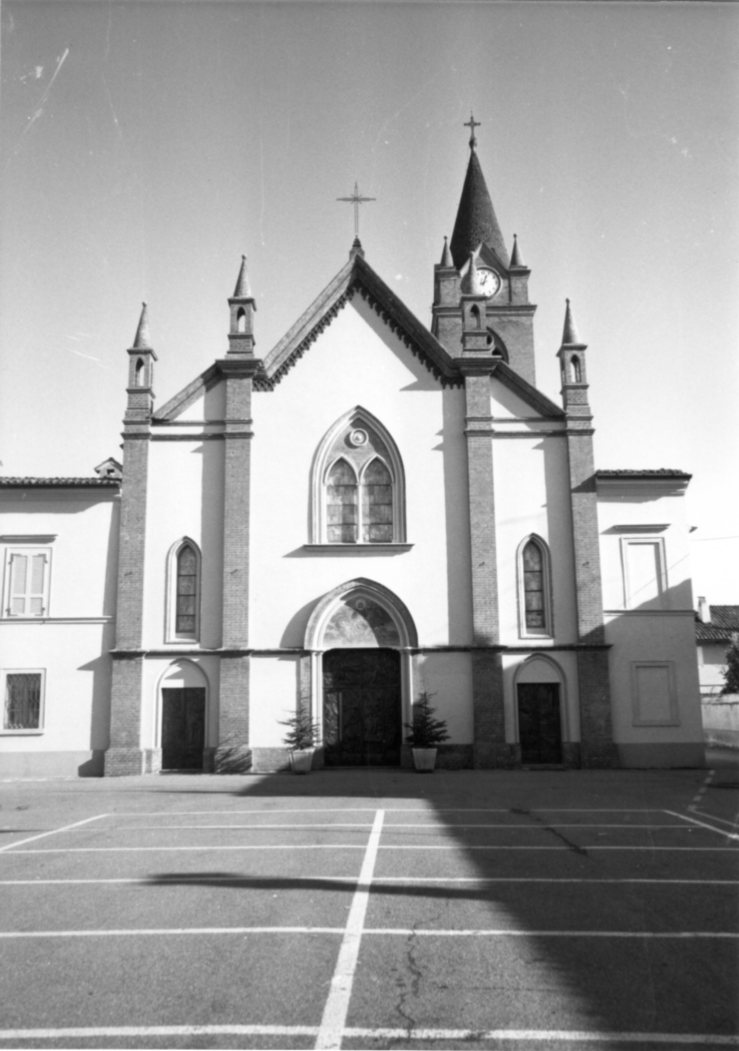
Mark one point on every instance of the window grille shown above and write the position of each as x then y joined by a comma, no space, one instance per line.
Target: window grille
22,710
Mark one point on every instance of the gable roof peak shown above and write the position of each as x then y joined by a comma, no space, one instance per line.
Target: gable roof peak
356,248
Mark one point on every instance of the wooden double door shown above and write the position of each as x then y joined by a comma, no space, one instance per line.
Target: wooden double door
362,707
183,728
539,723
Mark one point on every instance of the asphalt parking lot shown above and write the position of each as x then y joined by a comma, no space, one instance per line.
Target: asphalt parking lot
372,909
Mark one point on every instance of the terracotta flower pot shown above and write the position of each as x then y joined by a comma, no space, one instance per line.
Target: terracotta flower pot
424,759
301,760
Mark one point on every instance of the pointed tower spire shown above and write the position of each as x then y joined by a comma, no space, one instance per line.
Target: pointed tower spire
142,339
356,248
242,308
141,358
446,256
476,220
242,290
516,260
569,335
572,354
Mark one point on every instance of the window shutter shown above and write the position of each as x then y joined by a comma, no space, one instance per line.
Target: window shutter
28,579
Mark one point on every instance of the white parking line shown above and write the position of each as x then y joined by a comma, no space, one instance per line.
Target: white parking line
702,824
50,832
340,991
471,1036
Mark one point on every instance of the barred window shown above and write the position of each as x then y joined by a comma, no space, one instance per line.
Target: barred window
22,707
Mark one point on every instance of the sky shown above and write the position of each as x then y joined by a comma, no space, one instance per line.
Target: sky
146,146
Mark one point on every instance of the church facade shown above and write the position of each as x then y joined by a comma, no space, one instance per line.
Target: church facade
373,511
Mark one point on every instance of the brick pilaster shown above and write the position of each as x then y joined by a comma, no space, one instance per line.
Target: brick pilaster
124,754
232,753
489,748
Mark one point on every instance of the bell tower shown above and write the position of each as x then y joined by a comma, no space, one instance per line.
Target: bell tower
502,279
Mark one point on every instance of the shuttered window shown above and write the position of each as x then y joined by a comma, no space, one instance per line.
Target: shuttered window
28,583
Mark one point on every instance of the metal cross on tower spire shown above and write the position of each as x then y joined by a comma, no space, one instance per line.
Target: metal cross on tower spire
472,124
356,199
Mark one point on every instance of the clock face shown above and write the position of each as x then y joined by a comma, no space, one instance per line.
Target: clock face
488,280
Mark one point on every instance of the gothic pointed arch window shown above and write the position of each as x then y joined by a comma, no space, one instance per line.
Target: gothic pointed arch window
183,592
534,588
358,486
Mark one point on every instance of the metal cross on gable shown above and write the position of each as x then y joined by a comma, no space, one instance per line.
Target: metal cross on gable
356,199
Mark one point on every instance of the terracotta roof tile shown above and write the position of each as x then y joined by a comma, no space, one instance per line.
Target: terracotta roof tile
723,625
58,483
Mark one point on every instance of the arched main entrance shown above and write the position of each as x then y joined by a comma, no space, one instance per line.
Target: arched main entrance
361,635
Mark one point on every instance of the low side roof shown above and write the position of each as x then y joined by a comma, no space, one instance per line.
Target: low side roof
724,623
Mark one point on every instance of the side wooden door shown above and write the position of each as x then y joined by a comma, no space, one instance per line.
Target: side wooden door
539,727
183,728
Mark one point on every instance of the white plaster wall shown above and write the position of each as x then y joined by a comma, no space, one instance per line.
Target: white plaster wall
357,361
273,692
711,666
71,644
532,496
666,633
185,498
624,513
448,679
645,638
74,660
84,553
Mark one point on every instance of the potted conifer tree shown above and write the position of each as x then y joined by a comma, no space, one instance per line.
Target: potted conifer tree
300,739
426,732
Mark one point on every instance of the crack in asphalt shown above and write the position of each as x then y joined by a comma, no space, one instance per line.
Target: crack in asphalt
548,828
